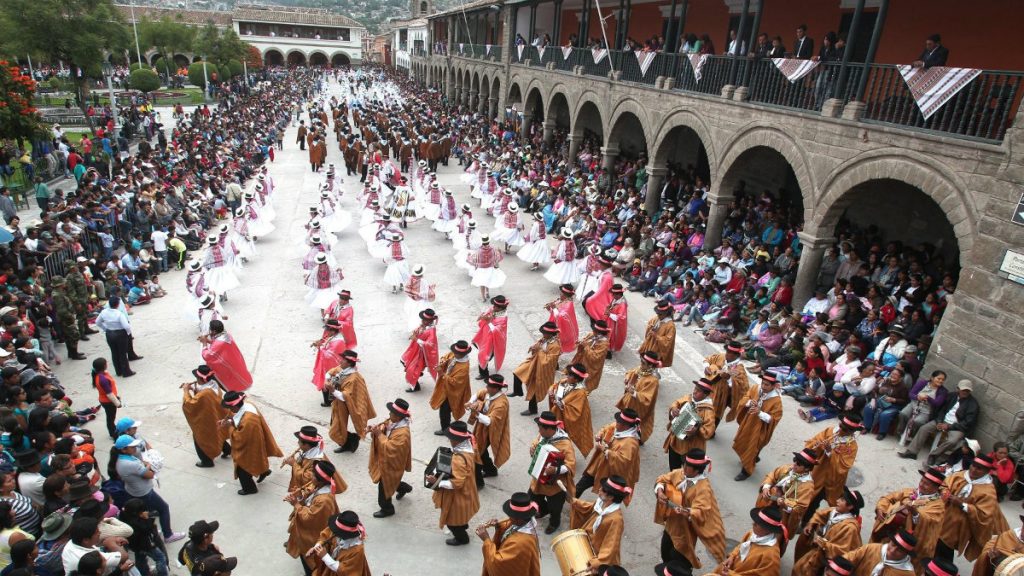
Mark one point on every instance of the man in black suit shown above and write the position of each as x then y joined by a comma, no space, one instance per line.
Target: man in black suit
804,47
935,54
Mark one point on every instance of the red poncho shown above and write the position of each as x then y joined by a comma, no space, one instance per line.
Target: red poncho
225,359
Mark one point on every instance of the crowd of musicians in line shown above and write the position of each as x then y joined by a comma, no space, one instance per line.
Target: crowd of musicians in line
915,530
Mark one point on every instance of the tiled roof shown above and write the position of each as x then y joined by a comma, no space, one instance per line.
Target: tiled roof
467,7
195,17
284,15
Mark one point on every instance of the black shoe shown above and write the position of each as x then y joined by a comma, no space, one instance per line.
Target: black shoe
91,331
757,459
78,357
907,455
1016,496
400,493
439,432
129,375
325,404
514,395
608,356
136,357
225,455
340,450
551,529
246,492
415,388
743,475
528,412
383,514
480,485
204,465
881,436
263,476
490,472
455,542
84,338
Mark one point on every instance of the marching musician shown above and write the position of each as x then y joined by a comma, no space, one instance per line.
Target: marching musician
790,487
309,452
568,400
757,554
549,494
595,304
602,520
252,442
492,336
641,391
513,550
340,547
591,351
421,354
451,393
457,496
201,403
731,380
921,510
537,372
391,456
328,350
660,335
894,558
940,567
972,512
837,447
562,311
313,504
1005,544
351,400
698,435
617,318
757,416
488,414
832,532
617,452
688,509
342,311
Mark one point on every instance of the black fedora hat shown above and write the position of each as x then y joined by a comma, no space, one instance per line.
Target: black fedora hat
345,525
458,431
309,434
519,506
769,517
674,568
400,407
27,459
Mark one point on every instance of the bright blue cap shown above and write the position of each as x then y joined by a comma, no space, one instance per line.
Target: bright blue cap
124,441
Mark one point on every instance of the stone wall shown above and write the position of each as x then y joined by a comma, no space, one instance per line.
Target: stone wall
975,185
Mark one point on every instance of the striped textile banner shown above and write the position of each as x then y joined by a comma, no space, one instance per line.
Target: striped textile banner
644,59
566,52
933,87
599,54
519,49
794,68
697,62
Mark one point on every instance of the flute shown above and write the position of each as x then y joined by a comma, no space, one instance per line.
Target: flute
291,458
302,493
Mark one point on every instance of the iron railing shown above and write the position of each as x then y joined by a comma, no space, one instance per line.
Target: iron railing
478,51
983,109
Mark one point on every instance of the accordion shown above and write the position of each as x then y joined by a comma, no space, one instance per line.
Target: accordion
440,466
546,455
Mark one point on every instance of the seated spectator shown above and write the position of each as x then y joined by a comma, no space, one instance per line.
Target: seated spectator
10,533
888,399
143,540
955,421
25,514
51,545
85,538
22,557
830,406
860,385
926,397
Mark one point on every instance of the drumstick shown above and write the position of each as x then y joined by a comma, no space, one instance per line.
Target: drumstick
568,496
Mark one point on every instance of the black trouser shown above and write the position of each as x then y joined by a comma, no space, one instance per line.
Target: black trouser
669,552
110,411
302,143
460,533
385,503
486,466
550,505
362,172
117,340
586,482
326,393
225,449
517,386
675,461
445,414
942,550
305,569
246,480
131,348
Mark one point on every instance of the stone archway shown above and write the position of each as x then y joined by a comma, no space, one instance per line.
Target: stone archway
339,59
534,105
909,169
181,61
628,135
318,59
588,120
683,138
296,58
485,94
273,57
773,140
559,112
514,96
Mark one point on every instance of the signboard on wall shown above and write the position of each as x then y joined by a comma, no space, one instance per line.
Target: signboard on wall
1013,265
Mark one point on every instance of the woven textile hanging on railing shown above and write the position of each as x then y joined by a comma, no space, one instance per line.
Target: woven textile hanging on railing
933,87
794,68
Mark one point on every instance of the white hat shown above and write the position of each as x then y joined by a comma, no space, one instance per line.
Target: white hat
194,265
566,233
321,258
434,185
472,223
325,194
224,227
485,239
315,239
259,186
417,270
211,240
513,207
206,301
314,223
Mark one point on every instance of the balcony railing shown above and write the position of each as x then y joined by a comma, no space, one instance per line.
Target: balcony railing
982,110
478,51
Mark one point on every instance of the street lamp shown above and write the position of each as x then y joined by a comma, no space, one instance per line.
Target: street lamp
108,74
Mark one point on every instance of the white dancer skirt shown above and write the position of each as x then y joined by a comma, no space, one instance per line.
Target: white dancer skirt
563,273
397,273
488,278
321,299
535,253
221,279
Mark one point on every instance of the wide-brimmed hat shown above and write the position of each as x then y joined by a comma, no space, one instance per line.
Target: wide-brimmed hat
233,398
805,457
428,314
577,370
769,517
458,431
548,418
663,307
939,567
417,270
567,289
549,328
933,474
616,486
851,421
566,234
734,347
345,525
460,347
601,327
345,294
905,540
674,568
500,301
617,289
496,381
627,416
704,384
520,506
651,357
400,407
309,434
853,497
81,490
27,459
896,329
841,566
350,356
55,525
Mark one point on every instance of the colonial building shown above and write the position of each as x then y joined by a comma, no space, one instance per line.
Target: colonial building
845,138
283,35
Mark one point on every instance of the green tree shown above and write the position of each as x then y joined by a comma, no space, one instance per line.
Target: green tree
144,80
167,37
18,118
219,45
76,32
234,67
195,74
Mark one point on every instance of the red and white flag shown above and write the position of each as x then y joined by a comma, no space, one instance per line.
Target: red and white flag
933,87
599,54
794,68
644,59
697,62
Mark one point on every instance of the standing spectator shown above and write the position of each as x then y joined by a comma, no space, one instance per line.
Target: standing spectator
106,388
159,239
7,207
43,194
118,331
803,49
137,476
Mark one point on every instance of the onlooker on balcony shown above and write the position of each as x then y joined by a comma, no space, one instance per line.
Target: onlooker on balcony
803,49
778,48
935,54
690,44
762,48
737,47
